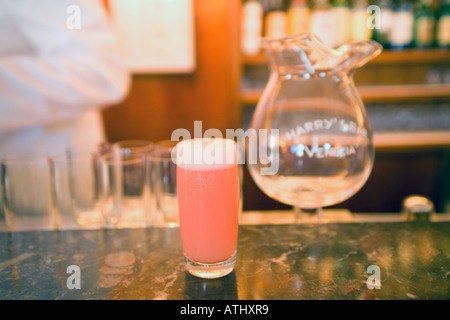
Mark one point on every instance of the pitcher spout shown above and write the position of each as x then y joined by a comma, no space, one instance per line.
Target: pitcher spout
307,53
358,54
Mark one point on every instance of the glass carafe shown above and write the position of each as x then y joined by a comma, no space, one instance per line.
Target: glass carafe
318,147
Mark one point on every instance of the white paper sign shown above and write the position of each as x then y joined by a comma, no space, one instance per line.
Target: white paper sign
156,36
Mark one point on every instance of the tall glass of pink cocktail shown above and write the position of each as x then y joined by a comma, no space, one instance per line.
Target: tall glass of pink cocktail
208,200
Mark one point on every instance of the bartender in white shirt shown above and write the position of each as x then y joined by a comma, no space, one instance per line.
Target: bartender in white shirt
54,79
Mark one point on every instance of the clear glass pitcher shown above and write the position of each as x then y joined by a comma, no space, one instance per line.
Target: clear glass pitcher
318,150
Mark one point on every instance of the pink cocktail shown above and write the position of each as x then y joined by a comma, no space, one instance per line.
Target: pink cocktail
208,200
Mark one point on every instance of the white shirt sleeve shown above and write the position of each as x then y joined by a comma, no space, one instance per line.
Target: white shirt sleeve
59,72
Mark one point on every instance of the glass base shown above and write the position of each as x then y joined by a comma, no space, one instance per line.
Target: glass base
308,215
211,270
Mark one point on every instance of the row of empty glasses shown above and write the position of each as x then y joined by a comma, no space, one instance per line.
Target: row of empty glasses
128,184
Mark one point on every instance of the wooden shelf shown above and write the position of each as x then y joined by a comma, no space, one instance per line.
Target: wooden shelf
404,92
386,57
412,56
380,93
411,140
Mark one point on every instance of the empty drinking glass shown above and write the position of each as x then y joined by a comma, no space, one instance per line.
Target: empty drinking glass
124,189
76,179
163,179
28,198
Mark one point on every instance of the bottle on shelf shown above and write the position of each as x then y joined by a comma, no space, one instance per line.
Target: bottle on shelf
298,17
360,31
321,22
386,15
443,25
342,14
424,24
401,33
275,21
251,27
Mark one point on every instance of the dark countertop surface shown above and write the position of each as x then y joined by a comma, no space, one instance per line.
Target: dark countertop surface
274,262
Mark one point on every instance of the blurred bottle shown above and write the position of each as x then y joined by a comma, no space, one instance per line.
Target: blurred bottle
417,208
342,22
321,22
275,20
298,17
401,34
251,27
424,24
443,25
359,29
381,34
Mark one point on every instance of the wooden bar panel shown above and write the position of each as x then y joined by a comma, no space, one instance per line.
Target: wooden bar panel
159,104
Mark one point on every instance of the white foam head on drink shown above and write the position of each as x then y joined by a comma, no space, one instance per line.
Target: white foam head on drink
205,153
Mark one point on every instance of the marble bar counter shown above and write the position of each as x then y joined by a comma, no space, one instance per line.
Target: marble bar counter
347,261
